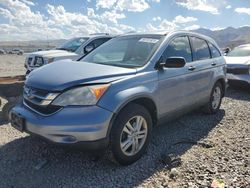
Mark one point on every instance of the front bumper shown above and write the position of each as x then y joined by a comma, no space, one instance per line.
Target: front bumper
71,125
239,77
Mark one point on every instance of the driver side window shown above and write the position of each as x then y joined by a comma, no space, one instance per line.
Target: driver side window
179,47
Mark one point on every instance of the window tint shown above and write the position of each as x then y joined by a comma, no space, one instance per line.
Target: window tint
179,47
117,53
214,51
127,51
73,44
200,49
99,42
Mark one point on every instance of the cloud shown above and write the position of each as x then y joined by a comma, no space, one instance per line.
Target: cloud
243,10
181,20
105,3
217,28
201,5
6,13
165,25
28,2
150,27
25,24
123,5
158,18
19,13
156,1
112,16
228,7
192,27
132,5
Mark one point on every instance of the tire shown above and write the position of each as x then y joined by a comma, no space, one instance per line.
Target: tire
132,114
213,106
6,110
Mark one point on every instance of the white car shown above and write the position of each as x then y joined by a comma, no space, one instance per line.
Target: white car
16,51
72,49
238,64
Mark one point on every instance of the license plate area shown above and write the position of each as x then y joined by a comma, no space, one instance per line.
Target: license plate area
17,121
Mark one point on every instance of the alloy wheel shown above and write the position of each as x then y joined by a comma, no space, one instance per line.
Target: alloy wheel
133,135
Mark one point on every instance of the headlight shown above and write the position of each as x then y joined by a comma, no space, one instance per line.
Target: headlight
87,95
38,61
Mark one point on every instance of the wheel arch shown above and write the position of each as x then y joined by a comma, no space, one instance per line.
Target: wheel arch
222,81
144,100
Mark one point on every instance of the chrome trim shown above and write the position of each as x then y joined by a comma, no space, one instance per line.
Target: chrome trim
49,96
46,115
30,95
42,103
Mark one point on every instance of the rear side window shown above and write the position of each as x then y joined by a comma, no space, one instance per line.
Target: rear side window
214,51
200,49
179,47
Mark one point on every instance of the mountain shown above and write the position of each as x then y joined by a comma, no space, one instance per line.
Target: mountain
31,46
228,37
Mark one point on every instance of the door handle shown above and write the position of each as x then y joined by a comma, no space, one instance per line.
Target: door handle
213,64
191,68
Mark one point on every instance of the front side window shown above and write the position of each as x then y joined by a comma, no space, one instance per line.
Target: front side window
73,44
200,49
214,51
179,47
239,52
128,51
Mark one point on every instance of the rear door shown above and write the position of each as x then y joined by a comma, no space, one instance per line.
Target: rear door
200,72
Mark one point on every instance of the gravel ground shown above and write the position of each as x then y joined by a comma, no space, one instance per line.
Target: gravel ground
191,151
12,65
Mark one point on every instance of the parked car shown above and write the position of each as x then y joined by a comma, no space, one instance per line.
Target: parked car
72,49
121,90
2,52
238,65
16,51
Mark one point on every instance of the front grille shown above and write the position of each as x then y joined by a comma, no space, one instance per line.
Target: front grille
237,70
40,100
46,110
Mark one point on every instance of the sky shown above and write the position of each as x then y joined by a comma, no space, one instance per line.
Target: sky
57,19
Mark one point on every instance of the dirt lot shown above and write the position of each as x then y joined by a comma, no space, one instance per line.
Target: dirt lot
11,65
191,151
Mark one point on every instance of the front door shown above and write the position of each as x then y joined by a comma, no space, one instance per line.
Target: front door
172,81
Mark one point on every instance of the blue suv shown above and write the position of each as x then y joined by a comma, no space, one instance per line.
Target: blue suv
117,93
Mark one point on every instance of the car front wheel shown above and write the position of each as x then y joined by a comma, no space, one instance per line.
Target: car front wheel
130,134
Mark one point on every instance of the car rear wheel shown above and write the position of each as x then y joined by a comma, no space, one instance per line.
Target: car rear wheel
130,134
214,103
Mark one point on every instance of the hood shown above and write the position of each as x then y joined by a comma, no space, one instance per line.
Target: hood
53,53
66,73
238,60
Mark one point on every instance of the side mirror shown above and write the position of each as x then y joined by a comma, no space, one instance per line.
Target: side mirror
88,48
175,62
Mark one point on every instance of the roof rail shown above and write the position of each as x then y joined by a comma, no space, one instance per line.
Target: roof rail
100,34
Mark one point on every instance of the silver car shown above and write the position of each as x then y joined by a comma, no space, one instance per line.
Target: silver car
122,90
238,65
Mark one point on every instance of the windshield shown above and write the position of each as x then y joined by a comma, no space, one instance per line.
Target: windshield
239,52
128,51
73,44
